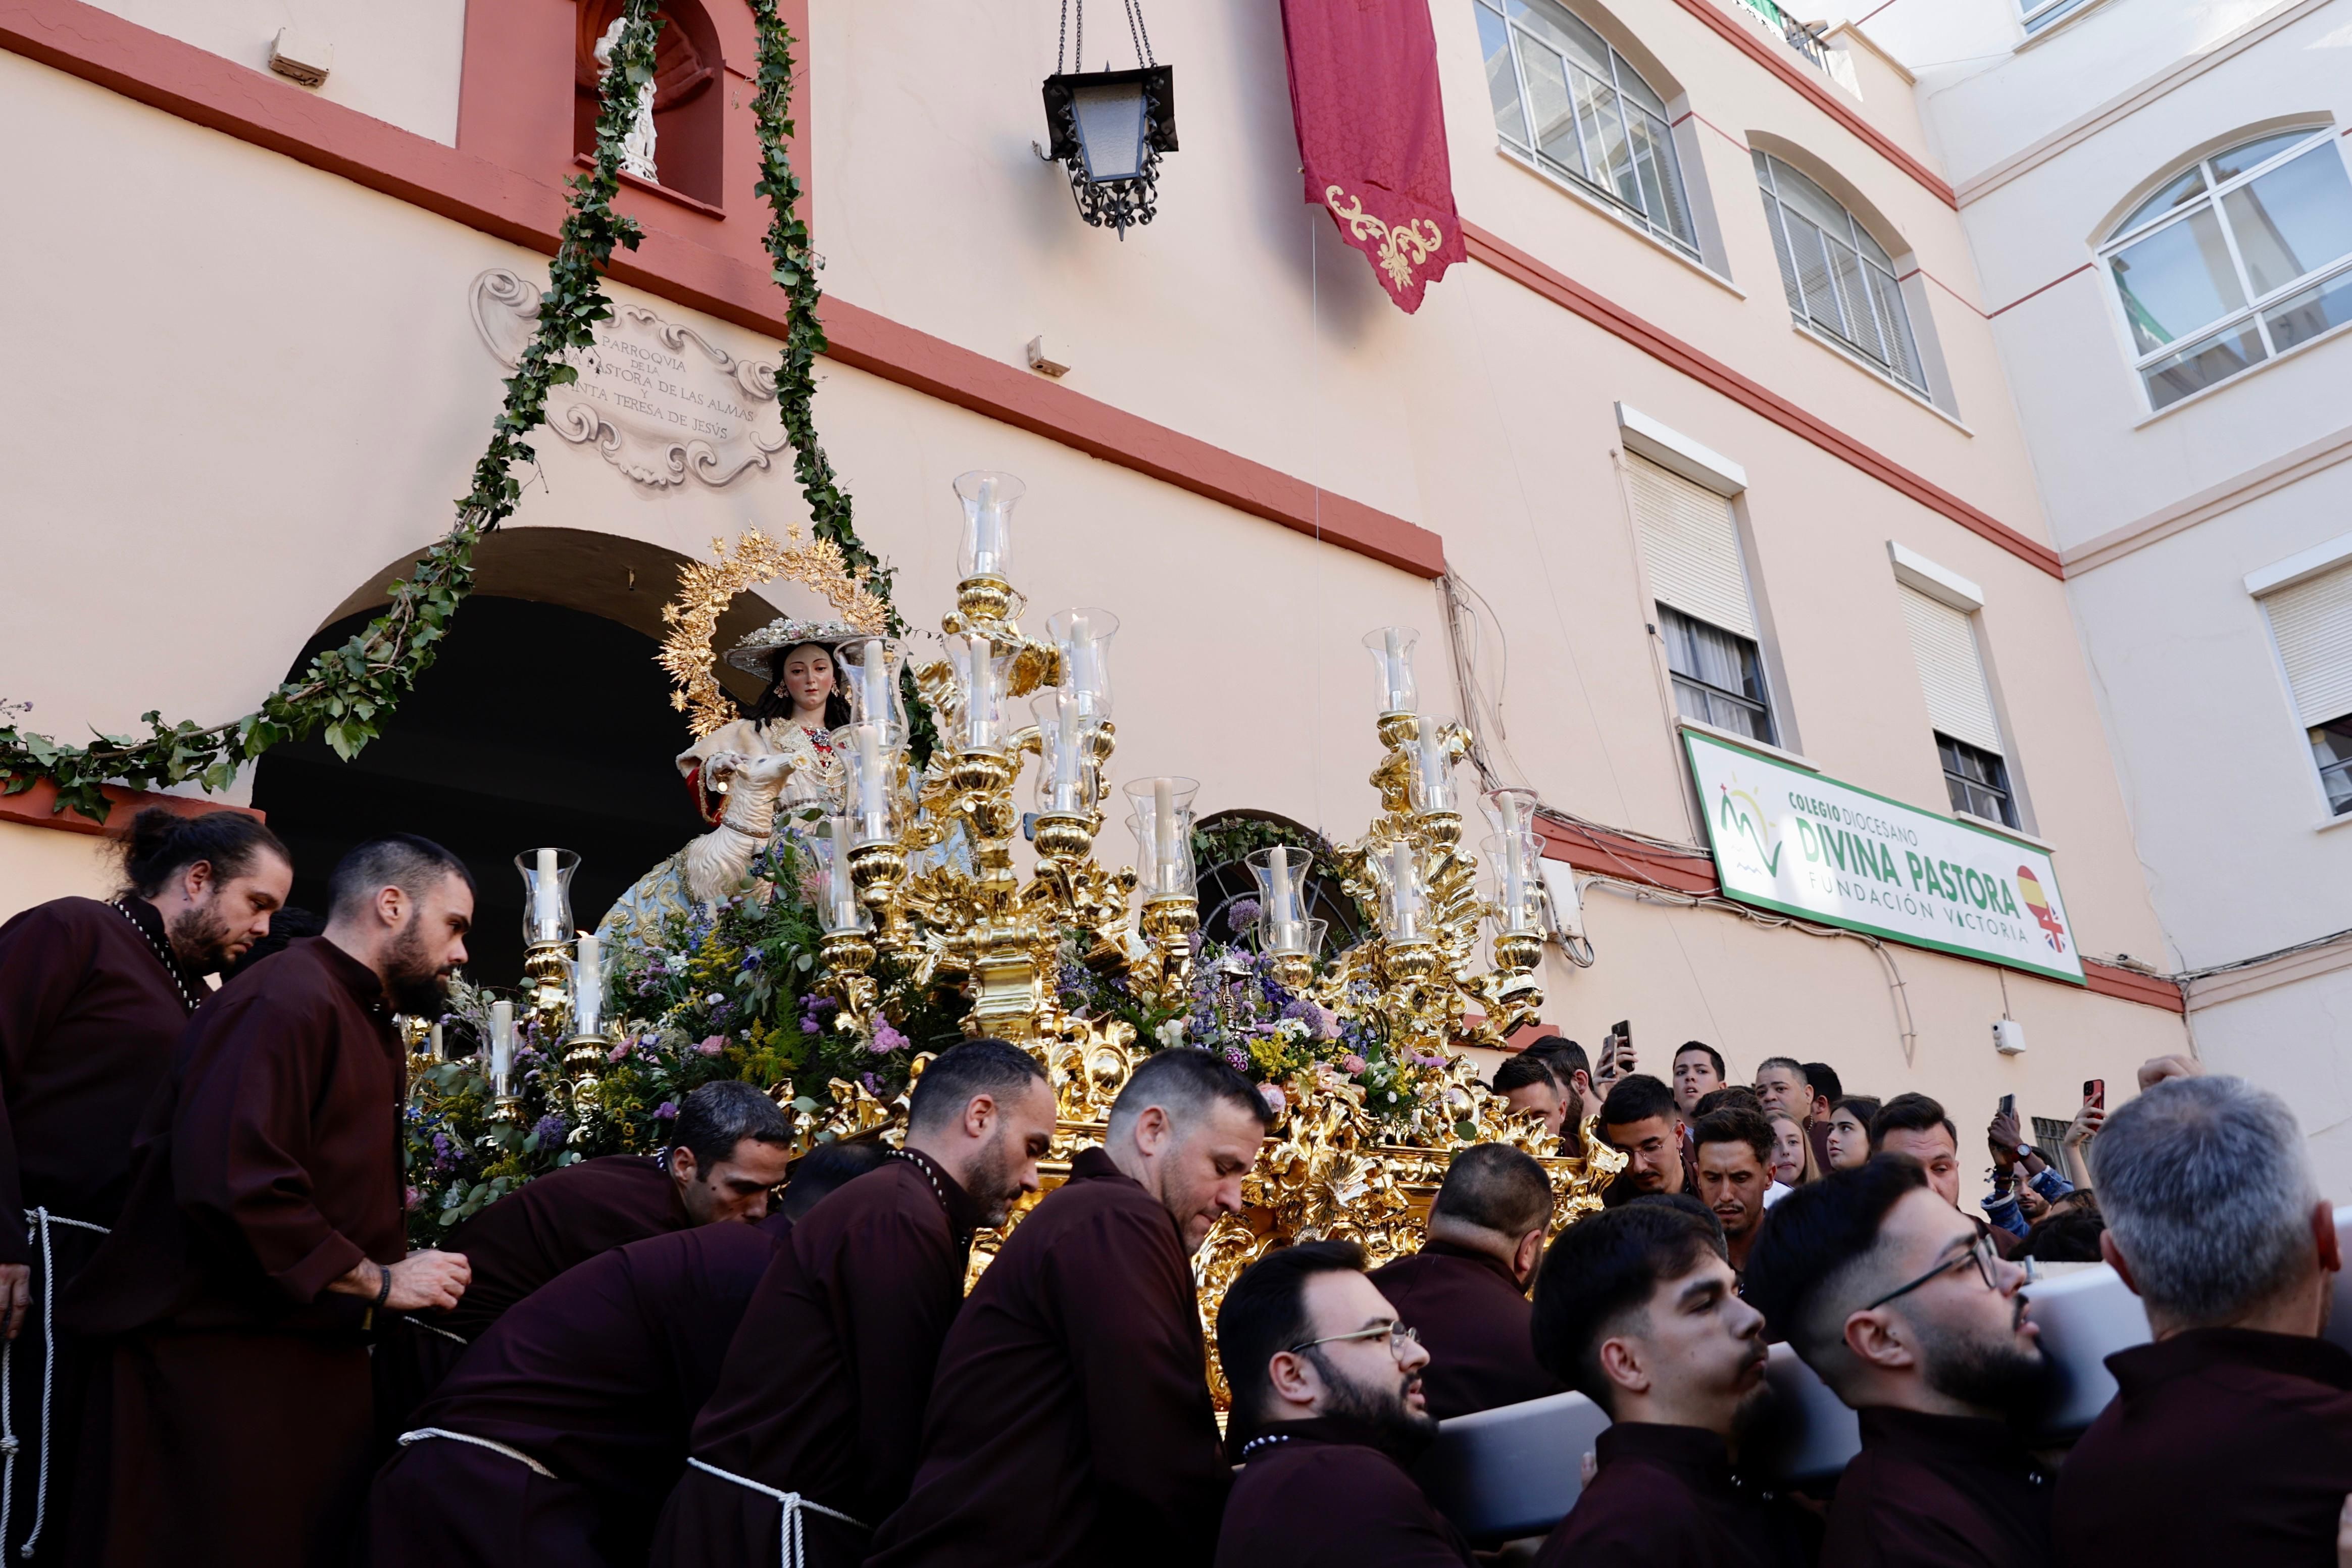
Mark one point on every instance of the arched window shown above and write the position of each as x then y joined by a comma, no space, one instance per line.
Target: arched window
1571,105
2241,255
1841,281
686,96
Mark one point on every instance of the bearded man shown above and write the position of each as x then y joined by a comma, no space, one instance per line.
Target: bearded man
263,1235
1070,1423
1327,1391
1899,1302
92,998
822,1395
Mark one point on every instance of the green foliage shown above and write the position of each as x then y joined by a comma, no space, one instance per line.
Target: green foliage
347,692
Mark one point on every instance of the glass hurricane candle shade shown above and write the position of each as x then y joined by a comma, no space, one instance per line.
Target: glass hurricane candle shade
1083,637
840,906
1392,651
1518,881
503,1048
1282,923
983,672
869,667
869,759
988,500
588,987
1404,898
1162,826
547,895
1432,768
1509,811
1066,736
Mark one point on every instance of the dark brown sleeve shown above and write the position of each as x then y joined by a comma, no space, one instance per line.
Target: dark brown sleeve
43,962
897,1290
240,1139
1126,1300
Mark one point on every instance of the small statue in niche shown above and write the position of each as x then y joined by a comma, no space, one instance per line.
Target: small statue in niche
637,147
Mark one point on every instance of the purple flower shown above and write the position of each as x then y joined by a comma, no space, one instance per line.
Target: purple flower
713,1046
550,1129
1236,1057
413,1196
1240,914
1321,1021
666,1112
886,1038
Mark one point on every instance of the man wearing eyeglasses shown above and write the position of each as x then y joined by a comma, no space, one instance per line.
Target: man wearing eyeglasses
1900,1303
1327,1412
1637,1308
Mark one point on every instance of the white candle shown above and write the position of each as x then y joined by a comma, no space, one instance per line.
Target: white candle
1069,754
1515,875
502,1036
841,903
438,1053
1287,931
547,904
1400,687
988,533
980,695
872,788
1164,834
587,987
1404,888
1436,769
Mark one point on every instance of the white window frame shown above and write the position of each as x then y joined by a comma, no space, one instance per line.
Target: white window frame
1935,580
2232,322
2039,14
1662,134
2300,567
1776,214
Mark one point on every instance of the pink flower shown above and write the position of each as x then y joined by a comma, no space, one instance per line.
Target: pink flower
1353,1064
617,1052
886,1038
1277,1100
415,1197
716,1044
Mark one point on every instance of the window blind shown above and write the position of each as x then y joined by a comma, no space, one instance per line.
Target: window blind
2312,623
1951,671
1691,546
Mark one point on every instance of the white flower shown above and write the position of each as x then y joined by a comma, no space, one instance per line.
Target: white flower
1292,1029
717,998
1169,1033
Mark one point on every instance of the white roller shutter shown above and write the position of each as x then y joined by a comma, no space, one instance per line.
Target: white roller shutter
1691,546
2312,623
1951,671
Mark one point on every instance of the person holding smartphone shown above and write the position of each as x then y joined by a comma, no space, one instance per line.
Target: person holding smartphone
2017,1168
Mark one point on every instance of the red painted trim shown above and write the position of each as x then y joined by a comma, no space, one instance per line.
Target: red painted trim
2051,284
1709,371
1744,38
1711,125
208,91
2113,980
37,808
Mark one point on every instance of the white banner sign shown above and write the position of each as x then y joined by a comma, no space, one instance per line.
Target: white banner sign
1788,839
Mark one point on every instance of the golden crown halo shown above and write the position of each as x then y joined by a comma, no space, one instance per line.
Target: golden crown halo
705,589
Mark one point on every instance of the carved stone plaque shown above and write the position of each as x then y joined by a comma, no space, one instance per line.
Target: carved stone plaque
661,402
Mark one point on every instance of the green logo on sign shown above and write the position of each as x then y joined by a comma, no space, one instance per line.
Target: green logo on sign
1742,813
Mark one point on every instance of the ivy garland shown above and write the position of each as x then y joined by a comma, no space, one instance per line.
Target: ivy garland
347,692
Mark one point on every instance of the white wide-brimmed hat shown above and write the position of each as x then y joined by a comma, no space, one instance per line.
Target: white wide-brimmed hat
789,631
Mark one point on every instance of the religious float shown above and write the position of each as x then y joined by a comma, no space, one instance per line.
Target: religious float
864,898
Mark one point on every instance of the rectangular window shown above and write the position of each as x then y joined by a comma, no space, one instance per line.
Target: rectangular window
1690,547
1976,780
1719,678
1959,705
2312,621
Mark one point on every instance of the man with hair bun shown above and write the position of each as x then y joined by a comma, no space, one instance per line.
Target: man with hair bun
729,1145
92,998
1898,1302
1070,1423
822,1393
2230,1437
1464,1292
263,1237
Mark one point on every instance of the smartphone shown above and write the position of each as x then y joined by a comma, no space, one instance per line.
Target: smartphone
2095,1093
1608,1055
2009,1105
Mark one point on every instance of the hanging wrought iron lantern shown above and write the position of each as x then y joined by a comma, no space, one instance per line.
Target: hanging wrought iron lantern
1110,129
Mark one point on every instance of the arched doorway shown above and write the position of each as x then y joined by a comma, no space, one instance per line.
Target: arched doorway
543,721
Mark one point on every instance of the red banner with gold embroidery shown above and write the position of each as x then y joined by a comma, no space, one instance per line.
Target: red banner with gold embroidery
1372,134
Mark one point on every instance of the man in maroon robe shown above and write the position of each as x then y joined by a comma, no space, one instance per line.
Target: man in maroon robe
92,998
1070,1422
2230,1437
1464,1292
565,1424
822,1395
1640,1119
263,1233
1636,1309
729,1146
1899,1302
1327,1384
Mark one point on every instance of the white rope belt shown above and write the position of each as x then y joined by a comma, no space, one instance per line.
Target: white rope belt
517,1455
36,1229
788,1554
428,1328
